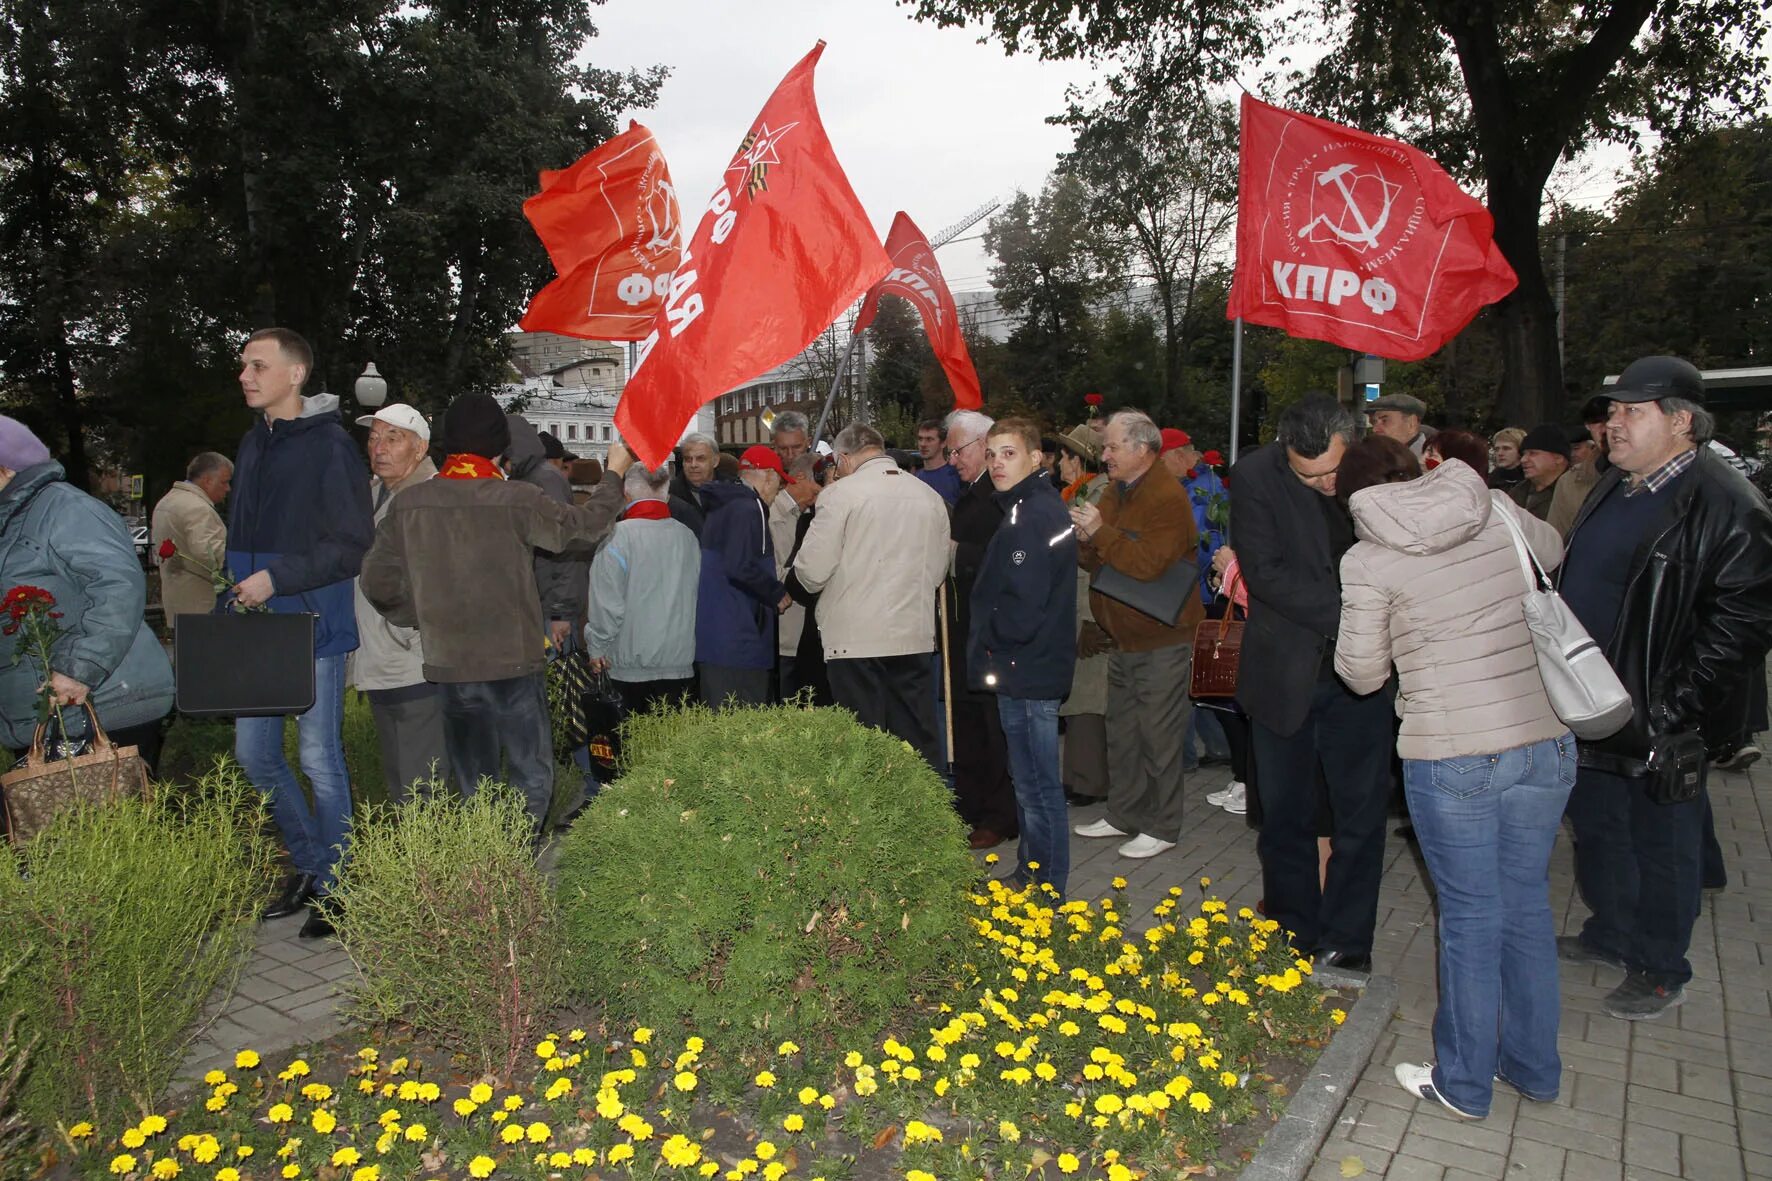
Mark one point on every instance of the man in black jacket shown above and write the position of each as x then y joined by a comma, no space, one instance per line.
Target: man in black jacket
1289,533
1023,645
1669,566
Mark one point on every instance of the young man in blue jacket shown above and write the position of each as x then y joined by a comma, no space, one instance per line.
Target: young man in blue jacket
1022,643
299,525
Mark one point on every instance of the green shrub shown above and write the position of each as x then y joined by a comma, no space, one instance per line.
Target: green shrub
131,914
451,925
18,1139
762,874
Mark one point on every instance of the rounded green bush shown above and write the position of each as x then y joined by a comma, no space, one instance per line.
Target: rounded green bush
764,873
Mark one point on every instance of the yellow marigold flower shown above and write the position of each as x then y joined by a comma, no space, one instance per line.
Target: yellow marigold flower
694,1044
559,1160
710,1167
511,1133
1046,1071
481,1166
398,1066
244,1151
215,1103
852,1059
1008,1131
794,1123
152,1125
429,1092
291,1171
619,1153
387,1140
642,1036
584,1156
207,1149
1337,1016
970,1061
480,1093
919,1175
826,1101
1109,1104
123,1163
866,1086
466,1107
345,1157
1119,1172
546,1049
1228,1078
764,1078
559,1087
918,1132
1073,1109
941,1087
389,1117
166,1168
80,1131
298,1068
539,1133
246,1060
133,1138
408,1091
1200,1101
809,1095
318,1092
912,1074
1067,1162
418,1133
680,1152
513,1102
215,1078
227,1174
765,1150
787,1048
685,1081
936,1053
637,1057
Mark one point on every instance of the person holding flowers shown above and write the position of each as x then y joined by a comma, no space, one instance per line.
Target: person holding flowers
73,606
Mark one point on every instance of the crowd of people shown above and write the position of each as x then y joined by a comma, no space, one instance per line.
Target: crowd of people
1021,608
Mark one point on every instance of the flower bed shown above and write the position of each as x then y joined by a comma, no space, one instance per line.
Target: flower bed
1065,1048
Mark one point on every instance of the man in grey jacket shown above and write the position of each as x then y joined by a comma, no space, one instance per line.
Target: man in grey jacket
388,665
643,592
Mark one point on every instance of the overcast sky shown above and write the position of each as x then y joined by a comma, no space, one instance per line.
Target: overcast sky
923,119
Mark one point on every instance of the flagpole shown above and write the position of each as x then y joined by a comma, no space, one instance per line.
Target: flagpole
1236,383
836,382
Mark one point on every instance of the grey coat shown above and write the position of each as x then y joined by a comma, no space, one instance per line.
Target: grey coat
56,537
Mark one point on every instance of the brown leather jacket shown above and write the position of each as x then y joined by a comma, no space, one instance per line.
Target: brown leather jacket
1145,529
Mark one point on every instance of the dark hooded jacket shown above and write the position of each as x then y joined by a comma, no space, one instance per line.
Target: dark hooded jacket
563,579
735,609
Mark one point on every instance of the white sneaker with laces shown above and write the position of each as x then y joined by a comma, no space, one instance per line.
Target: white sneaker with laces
1217,798
1099,828
1144,845
1418,1079
1237,801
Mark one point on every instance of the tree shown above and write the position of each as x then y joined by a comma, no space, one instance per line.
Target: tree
1162,182
1497,90
903,365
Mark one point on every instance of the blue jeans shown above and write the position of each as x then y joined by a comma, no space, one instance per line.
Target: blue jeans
1486,824
499,731
317,837
1030,728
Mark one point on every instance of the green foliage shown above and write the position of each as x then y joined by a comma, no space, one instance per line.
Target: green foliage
193,744
132,914
452,927
17,1136
764,873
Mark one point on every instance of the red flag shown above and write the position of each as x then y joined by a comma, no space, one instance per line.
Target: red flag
917,276
610,223
1357,239
782,249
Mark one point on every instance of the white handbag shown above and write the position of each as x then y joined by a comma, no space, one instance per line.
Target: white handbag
1583,689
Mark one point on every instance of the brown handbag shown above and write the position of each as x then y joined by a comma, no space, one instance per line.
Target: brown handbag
40,788
1218,650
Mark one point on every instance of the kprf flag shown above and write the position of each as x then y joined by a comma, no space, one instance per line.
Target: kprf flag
917,277
783,247
1357,239
611,225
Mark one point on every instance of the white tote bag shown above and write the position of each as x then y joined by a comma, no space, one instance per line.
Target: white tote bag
1583,689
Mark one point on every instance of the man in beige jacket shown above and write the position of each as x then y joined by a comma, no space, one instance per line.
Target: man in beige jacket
187,518
877,550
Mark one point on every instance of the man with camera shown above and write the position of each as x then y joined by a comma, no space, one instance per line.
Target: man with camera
1669,566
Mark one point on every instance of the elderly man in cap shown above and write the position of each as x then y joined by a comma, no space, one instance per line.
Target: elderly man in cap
388,666
1669,567
1398,416
1544,458
740,594
453,558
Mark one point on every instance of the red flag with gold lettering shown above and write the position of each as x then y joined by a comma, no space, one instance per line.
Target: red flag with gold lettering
611,225
916,276
1357,239
783,247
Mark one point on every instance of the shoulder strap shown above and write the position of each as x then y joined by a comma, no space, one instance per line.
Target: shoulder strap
1528,564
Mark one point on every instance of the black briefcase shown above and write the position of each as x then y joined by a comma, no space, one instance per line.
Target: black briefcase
244,663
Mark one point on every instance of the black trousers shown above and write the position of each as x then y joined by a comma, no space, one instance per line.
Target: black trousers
891,693
1350,738
983,791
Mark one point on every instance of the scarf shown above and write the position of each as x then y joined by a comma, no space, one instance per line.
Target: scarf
469,467
647,510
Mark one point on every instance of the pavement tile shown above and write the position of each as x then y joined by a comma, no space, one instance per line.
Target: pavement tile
1529,1160
1709,1160
1651,1148
1451,1155
1579,1166
1414,1168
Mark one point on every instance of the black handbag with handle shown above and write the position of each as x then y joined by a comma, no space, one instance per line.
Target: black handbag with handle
244,663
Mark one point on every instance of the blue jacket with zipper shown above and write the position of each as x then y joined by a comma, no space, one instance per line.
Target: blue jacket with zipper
300,510
1022,640
735,607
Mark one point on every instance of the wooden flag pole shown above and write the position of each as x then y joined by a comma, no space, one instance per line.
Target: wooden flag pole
947,677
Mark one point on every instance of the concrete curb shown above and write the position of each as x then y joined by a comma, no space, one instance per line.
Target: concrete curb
1290,1147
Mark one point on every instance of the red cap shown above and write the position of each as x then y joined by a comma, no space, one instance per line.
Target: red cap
1174,437
763,459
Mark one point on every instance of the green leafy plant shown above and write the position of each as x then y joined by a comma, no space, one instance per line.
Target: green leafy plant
450,924
17,1136
131,914
764,873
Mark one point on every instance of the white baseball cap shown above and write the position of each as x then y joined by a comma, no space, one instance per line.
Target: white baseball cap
403,416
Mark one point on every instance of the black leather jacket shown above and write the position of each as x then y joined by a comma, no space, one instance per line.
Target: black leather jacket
1697,613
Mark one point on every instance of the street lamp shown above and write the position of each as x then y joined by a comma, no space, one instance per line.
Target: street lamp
371,388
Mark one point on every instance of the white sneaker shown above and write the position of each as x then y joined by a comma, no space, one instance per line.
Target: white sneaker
1144,845
1099,828
1233,799
1418,1079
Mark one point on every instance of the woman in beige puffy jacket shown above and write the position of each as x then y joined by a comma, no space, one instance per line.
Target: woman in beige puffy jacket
1434,586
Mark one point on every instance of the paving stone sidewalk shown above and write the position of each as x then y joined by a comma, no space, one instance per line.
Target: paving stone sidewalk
1688,1096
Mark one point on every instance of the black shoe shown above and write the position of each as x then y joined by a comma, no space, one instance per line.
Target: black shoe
1346,961
319,924
297,893
1571,950
1077,799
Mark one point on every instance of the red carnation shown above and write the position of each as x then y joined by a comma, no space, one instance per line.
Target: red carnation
167,549
1092,399
1213,458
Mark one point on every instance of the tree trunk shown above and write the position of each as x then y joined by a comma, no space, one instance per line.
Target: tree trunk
1532,373
67,409
455,352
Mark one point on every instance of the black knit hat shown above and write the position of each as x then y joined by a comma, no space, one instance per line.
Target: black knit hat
1548,437
474,425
